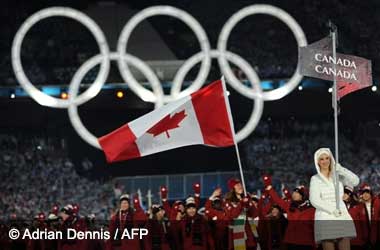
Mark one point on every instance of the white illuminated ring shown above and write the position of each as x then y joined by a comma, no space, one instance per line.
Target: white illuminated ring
222,46
34,92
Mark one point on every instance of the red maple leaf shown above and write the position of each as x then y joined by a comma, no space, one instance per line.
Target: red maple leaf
167,123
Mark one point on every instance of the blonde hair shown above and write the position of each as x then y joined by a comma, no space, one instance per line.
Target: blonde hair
319,158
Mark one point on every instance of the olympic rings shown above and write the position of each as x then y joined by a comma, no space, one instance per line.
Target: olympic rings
157,95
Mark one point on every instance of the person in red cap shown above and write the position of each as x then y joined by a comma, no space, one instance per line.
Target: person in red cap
177,213
366,199
172,212
194,230
72,221
237,205
275,225
52,226
126,218
218,221
158,237
349,197
357,211
299,233
372,205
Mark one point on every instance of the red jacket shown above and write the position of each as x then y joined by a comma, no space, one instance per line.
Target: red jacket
233,210
5,241
170,211
37,244
375,221
173,233
195,233
359,216
214,214
158,237
263,229
167,208
219,223
300,230
125,220
79,225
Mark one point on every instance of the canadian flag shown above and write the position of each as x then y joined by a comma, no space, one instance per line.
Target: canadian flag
204,117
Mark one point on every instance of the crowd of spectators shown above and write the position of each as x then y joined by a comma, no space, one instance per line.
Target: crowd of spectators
36,173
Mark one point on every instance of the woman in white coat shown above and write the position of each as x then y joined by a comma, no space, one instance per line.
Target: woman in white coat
331,225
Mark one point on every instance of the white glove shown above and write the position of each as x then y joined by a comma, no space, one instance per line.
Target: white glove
339,168
337,213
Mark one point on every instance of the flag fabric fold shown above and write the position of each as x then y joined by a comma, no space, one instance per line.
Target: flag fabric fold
201,118
345,88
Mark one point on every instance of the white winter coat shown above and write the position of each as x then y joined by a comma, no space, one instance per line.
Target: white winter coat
322,197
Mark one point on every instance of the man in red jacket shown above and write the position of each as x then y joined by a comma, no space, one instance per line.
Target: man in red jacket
158,237
358,213
372,206
194,230
217,220
126,218
71,221
299,233
172,212
52,226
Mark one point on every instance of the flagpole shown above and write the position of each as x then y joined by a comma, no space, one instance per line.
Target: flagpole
333,33
233,134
